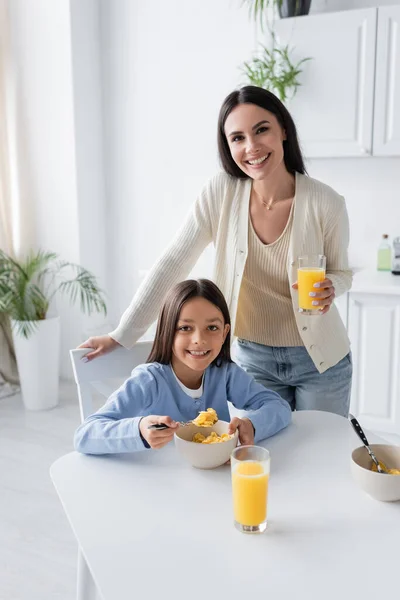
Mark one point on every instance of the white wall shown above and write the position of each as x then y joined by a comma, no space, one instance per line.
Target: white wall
373,200
167,67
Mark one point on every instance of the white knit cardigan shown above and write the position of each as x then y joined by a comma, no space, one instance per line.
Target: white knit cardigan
220,215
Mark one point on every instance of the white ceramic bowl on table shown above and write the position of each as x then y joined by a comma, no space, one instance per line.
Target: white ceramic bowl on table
381,487
205,456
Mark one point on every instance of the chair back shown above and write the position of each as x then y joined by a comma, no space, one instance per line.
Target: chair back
93,375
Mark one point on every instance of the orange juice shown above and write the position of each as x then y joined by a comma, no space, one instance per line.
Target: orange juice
306,277
250,491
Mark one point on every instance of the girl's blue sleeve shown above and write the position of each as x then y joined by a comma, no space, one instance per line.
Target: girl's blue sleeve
115,427
268,412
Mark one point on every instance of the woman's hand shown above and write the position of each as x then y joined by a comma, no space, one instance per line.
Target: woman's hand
323,296
157,438
100,345
246,430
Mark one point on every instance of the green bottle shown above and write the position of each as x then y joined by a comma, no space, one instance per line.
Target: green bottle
384,254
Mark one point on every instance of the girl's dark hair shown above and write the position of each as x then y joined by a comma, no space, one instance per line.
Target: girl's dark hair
161,351
251,94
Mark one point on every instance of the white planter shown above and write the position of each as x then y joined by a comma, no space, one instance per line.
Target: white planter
38,360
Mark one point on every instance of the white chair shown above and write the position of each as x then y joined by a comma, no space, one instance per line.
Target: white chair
90,376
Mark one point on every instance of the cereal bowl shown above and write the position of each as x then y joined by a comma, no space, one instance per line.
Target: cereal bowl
381,487
205,456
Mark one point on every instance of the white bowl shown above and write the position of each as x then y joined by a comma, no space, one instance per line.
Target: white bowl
205,456
381,487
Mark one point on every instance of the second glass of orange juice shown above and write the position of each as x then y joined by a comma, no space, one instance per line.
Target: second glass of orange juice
250,467
311,270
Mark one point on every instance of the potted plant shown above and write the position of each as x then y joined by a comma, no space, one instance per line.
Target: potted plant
293,8
273,70
258,9
27,288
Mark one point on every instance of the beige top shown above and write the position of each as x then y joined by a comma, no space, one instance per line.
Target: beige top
265,309
221,216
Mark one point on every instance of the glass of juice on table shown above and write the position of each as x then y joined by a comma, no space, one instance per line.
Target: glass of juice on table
250,473
311,270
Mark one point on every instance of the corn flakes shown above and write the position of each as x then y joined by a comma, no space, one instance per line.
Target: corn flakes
213,438
390,471
206,418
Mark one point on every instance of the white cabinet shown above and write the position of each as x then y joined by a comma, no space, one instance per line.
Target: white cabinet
374,331
346,105
386,138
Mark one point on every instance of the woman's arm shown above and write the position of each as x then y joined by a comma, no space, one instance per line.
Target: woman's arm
268,412
173,266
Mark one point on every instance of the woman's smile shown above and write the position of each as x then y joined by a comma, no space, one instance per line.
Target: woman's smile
256,163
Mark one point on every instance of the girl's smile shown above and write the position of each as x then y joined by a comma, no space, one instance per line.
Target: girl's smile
198,354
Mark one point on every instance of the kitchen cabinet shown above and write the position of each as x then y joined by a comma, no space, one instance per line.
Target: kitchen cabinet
345,105
374,332
386,137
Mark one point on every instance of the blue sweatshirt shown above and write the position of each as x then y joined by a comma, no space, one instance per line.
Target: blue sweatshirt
153,389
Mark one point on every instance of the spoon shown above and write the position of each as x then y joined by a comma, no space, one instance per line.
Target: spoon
358,429
181,423
164,426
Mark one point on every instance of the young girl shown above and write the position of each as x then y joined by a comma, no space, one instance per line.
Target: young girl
189,370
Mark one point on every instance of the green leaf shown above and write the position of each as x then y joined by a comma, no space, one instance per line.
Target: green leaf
258,10
28,286
272,69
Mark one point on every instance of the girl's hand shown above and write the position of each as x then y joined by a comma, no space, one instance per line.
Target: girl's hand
157,438
246,430
101,344
323,296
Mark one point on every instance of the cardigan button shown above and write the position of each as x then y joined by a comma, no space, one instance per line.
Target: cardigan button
304,328
321,363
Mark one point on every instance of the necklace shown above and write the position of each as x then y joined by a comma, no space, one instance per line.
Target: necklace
268,205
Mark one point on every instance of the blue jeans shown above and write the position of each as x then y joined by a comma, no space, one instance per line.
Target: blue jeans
291,372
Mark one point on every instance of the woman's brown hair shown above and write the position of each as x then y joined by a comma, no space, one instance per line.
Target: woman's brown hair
161,351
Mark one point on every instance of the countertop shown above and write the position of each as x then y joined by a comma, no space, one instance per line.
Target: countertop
375,282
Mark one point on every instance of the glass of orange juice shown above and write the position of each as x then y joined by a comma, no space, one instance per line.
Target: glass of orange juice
311,270
250,473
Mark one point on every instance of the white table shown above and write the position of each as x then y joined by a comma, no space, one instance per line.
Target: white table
151,526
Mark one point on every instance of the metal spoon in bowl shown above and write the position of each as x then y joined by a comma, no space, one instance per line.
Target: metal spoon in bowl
359,431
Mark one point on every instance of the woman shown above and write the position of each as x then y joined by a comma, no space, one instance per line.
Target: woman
262,213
